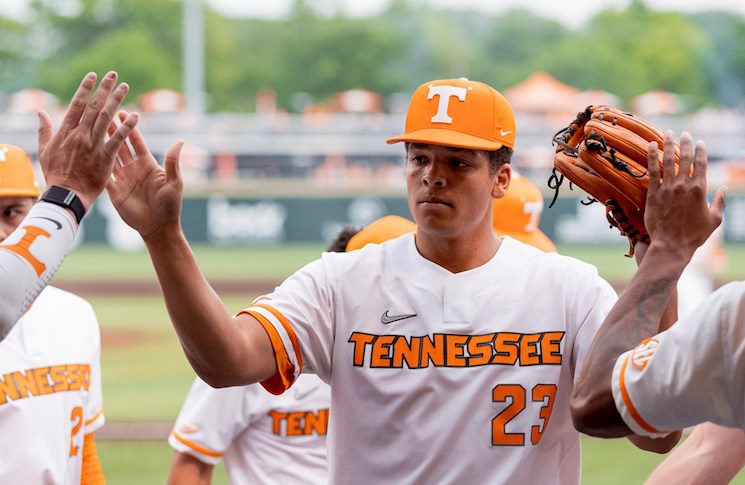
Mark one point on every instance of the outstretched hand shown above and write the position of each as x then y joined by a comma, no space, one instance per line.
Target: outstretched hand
78,157
147,196
677,214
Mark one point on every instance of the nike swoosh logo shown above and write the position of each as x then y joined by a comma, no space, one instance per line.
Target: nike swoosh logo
57,223
385,319
504,133
299,395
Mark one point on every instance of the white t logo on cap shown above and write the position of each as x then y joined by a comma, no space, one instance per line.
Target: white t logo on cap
3,151
445,93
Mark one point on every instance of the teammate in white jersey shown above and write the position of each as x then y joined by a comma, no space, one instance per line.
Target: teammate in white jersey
50,371
451,355
264,439
693,372
77,163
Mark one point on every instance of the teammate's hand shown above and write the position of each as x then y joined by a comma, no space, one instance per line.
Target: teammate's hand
677,214
78,157
146,196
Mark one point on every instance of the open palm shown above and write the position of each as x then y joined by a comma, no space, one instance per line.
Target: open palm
147,196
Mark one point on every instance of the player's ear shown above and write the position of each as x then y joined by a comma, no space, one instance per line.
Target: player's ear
501,181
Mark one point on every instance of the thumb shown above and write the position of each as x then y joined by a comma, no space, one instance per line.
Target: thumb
719,201
45,129
173,154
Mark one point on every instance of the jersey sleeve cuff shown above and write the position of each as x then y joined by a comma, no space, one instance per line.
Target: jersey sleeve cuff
284,343
95,422
184,445
622,387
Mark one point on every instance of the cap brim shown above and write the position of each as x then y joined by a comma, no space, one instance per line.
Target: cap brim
449,138
536,239
19,193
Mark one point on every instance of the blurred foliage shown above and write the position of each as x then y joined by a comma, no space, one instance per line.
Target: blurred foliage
626,52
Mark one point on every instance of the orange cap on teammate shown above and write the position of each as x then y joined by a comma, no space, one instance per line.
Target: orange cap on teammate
518,214
17,177
459,113
380,231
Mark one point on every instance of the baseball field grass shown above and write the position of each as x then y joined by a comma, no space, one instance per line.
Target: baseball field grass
146,376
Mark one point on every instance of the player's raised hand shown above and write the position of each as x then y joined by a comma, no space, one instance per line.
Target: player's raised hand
78,156
677,214
147,196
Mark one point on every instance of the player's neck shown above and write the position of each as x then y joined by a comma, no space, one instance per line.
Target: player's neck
458,254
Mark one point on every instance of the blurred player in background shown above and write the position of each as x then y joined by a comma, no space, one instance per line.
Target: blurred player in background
50,371
77,163
265,439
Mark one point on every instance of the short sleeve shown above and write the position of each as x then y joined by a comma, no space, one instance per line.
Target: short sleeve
593,301
298,318
683,376
210,420
94,416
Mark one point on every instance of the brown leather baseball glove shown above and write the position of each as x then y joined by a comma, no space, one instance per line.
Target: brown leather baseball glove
604,152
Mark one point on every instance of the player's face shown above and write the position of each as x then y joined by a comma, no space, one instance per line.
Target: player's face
449,189
12,212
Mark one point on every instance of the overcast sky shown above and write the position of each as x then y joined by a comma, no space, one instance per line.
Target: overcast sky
573,13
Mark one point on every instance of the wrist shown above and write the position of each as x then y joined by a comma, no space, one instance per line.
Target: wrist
164,234
668,253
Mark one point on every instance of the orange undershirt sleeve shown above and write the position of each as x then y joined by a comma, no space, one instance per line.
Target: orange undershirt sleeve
91,473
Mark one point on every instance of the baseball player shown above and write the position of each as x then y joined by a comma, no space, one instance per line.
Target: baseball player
693,372
50,371
265,438
451,354
77,162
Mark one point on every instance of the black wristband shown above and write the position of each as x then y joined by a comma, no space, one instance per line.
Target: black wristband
65,198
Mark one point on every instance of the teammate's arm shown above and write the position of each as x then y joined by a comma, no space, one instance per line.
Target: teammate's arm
77,158
188,470
223,351
712,454
679,221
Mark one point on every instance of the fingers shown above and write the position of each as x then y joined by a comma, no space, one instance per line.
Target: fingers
173,154
107,114
668,156
120,135
124,155
686,155
138,141
653,165
700,162
45,129
90,115
719,202
78,102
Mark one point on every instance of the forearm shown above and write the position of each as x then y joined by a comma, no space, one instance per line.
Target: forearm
215,347
637,315
711,454
30,257
187,470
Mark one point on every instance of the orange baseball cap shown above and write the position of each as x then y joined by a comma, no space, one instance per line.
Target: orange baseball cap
518,214
17,177
385,228
459,113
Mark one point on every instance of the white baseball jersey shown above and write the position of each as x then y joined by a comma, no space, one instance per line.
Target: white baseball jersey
263,438
50,390
692,373
30,256
439,377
